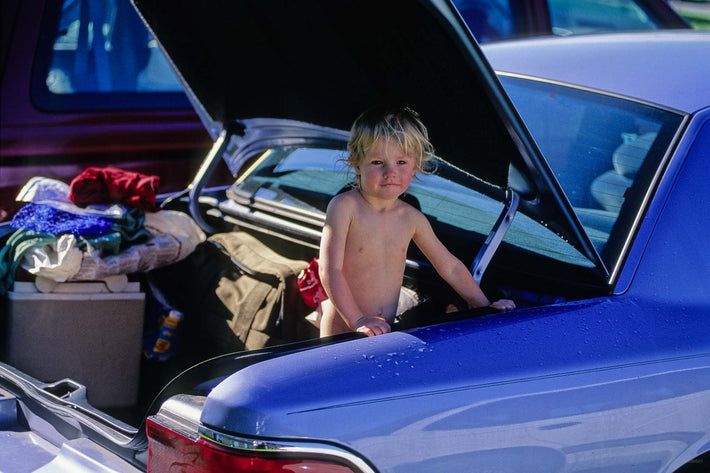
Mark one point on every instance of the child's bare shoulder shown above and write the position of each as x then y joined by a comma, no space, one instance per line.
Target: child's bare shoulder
416,216
347,197
346,201
411,211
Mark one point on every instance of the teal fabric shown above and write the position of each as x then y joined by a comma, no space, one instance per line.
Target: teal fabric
11,254
130,228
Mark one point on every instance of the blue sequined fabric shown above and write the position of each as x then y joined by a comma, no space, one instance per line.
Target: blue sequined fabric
47,219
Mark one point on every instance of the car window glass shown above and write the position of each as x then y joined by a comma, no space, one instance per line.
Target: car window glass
603,150
488,20
589,16
454,206
101,56
307,178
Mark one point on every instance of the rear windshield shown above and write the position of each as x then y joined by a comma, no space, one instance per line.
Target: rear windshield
462,209
604,151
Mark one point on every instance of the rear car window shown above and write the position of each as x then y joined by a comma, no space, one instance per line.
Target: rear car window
605,152
97,54
458,205
306,178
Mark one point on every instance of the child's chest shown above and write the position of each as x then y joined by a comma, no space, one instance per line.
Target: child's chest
372,232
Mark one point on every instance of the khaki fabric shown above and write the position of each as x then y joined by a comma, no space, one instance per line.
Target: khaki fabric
236,294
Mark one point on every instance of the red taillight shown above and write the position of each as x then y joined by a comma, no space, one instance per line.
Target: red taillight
170,452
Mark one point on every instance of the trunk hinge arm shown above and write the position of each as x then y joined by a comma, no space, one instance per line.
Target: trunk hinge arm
202,177
495,237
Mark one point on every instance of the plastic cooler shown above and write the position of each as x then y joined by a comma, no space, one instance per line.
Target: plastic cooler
80,331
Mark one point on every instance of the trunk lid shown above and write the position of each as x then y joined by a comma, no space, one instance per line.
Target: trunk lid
324,62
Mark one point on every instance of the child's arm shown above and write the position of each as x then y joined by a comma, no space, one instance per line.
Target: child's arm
451,269
330,260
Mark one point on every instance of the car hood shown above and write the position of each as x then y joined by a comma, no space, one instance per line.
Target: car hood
324,62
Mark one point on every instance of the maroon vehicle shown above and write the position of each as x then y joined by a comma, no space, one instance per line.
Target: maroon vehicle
83,84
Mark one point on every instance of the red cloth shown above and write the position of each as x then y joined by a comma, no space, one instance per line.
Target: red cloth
310,285
108,185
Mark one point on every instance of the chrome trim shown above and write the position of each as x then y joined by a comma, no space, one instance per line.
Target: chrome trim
181,414
75,409
291,211
315,449
583,88
202,177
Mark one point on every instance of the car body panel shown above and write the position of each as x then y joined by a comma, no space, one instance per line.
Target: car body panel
681,262
431,385
409,363
646,341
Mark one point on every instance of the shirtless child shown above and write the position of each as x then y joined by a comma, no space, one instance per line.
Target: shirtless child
368,229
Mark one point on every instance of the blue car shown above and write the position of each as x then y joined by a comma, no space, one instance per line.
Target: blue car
572,179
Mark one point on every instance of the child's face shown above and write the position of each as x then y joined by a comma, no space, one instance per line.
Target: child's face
386,171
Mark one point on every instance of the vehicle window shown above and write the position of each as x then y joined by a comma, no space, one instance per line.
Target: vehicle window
490,20
570,17
604,151
457,209
307,178
100,55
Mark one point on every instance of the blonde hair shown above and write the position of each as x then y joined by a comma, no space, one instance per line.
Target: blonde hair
386,122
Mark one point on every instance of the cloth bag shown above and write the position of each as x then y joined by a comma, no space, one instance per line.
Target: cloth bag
236,294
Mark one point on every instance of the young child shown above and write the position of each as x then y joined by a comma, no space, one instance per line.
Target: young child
368,229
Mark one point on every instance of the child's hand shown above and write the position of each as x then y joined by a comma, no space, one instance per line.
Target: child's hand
372,326
503,304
